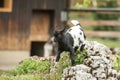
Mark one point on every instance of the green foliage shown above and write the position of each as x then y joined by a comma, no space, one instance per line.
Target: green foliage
65,60
116,60
54,76
86,3
107,3
116,63
81,4
80,56
32,66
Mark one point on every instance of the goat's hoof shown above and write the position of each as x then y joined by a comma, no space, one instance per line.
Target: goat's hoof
74,64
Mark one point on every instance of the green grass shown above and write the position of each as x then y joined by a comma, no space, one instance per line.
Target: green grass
20,77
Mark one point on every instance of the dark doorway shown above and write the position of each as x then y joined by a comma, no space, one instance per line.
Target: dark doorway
37,48
1,3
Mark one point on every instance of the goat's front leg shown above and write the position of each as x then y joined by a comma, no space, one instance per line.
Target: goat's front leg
58,55
82,47
72,56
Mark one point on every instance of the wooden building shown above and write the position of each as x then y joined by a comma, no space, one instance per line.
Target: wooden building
25,25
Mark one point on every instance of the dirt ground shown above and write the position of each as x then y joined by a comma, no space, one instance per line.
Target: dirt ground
9,59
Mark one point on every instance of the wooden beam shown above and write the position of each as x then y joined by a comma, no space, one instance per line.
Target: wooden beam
94,10
110,34
99,23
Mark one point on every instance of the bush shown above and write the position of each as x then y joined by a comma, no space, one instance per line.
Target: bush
32,66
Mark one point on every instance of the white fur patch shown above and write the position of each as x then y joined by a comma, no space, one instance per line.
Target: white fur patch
74,22
77,35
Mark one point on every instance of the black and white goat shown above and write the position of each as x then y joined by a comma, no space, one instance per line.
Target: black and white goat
70,40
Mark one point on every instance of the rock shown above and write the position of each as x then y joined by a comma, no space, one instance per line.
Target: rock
114,73
77,73
112,78
94,48
118,75
81,75
99,73
82,67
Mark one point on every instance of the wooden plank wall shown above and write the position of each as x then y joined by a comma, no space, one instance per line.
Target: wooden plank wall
15,26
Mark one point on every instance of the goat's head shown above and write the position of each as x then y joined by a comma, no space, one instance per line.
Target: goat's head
58,34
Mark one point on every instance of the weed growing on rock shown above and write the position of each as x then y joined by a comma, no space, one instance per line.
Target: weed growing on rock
116,59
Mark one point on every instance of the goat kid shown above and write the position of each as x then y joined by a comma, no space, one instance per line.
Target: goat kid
70,40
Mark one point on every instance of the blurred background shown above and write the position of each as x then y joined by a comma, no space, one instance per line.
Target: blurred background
26,25
100,19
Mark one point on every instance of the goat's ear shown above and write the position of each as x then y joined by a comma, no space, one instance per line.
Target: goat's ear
61,33
66,28
58,31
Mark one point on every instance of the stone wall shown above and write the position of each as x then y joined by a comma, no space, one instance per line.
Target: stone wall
97,66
